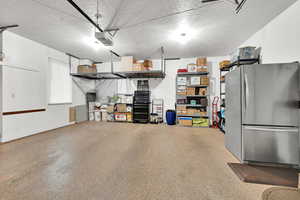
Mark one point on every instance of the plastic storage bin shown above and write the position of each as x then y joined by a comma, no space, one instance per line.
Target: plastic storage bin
171,117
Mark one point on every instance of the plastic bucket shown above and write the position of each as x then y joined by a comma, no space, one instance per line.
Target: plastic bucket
171,117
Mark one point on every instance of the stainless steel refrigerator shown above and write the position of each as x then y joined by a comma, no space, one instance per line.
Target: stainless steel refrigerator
262,113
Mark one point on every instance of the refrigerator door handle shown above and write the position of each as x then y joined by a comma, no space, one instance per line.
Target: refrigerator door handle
271,129
246,92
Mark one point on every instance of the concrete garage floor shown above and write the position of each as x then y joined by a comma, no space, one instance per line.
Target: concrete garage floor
118,161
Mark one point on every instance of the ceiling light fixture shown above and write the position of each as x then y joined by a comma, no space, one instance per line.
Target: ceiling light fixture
183,34
93,42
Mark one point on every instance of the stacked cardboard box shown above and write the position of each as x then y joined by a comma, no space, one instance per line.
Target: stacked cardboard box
72,114
86,69
110,109
190,91
181,109
203,113
195,80
192,67
138,67
204,80
129,117
201,62
121,107
202,69
120,116
148,64
192,111
182,81
202,91
127,63
181,90
185,121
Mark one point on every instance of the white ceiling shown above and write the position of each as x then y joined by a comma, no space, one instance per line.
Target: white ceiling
145,25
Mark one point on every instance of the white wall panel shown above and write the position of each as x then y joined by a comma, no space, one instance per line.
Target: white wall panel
23,53
26,87
23,89
279,39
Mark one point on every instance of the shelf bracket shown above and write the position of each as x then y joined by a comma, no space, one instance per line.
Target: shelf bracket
3,28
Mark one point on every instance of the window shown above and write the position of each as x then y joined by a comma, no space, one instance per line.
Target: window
60,83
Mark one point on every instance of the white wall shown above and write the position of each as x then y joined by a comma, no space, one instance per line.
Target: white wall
279,39
25,85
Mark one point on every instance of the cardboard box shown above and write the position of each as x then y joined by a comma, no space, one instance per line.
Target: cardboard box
201,62
190,91
121,107
148,64
181,87
191,111
204,80
138,67
127,63
183,92
200,122
181,112
86,69
72,114
202,92
120,116
224,64
202,113
110,109
181,108
195,80
202,69
222,78
185,121
192,67
129,117
181,81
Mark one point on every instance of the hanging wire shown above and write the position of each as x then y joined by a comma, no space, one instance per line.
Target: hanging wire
97,15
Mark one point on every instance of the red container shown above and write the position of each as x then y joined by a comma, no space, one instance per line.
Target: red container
182,70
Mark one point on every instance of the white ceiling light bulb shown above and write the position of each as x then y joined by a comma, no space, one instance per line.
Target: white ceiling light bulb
183,34
92,42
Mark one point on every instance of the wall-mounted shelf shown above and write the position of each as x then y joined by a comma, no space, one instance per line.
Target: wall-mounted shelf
191,105
192,73
198,116
143,74
199,86
239,62
121,75
124,74
227,69
97,76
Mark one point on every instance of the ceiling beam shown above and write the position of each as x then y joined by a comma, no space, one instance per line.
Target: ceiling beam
85,15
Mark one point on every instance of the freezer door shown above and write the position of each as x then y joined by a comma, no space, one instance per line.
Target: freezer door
270,94
233,128
271,144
